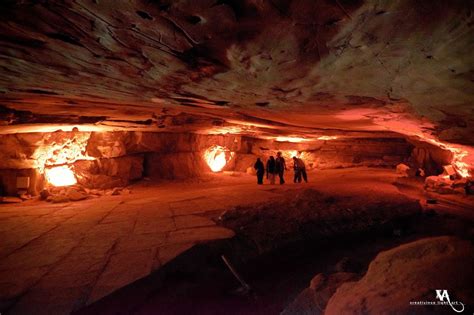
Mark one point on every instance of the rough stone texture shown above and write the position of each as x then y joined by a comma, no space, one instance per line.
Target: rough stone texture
410,272
56,258
443,185
107,173
345,152
271,67
109,159
430,158
313,300
175,165
124,156
122,269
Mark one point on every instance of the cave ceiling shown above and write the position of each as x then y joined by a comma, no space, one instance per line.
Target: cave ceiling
245,66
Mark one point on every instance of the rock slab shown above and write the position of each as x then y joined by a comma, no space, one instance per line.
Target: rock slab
410,272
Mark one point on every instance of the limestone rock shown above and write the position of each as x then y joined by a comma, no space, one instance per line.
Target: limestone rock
403,169
225,63
58,198
410,272
430,157
444,185
75,195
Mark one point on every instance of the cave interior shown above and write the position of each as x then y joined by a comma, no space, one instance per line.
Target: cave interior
130,131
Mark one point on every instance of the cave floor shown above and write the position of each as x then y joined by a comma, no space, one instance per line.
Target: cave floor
57,258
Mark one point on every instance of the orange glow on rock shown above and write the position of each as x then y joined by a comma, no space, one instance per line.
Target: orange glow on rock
53,159
217,157
325,138
289,154
290,139
460,154
67,152
60,176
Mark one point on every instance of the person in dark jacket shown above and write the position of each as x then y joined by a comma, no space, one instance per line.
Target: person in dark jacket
271,170
260,168
300,170
297,177
280,167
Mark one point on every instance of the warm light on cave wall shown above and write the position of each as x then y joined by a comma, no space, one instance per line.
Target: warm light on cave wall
289,154
217,157
326,138
290,139
460,154
54,159
60,176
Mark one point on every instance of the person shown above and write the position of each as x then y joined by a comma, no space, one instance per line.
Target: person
297,177
300,170
280,167
271,170
260,168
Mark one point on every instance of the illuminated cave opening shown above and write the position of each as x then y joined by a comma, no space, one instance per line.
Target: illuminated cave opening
217,157
60,176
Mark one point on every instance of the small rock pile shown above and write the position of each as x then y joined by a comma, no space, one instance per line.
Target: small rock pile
445,185
77,193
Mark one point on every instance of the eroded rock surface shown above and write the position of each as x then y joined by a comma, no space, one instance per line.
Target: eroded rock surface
410,272
300,66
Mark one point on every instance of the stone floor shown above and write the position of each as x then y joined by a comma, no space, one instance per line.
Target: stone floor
56,258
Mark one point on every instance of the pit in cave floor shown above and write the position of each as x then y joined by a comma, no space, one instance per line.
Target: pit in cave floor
236,157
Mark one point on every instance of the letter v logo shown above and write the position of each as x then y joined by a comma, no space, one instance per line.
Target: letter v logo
443,294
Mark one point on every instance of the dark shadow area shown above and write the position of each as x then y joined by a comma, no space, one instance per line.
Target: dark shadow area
198,281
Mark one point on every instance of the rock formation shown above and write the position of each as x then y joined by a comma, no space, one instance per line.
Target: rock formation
257,66
410,273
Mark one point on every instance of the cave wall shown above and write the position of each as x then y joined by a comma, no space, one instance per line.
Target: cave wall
429,157
337,153
121,157
165,155
115,158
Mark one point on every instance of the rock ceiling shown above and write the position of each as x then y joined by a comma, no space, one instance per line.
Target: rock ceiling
272,66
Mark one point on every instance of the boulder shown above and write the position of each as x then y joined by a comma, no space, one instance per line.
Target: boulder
449,170
58,198
410,273
403,169
444,185
75,195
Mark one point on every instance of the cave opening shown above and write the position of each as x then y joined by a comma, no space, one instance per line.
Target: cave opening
249,157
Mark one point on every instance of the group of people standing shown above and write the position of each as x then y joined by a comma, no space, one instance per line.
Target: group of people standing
277,166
